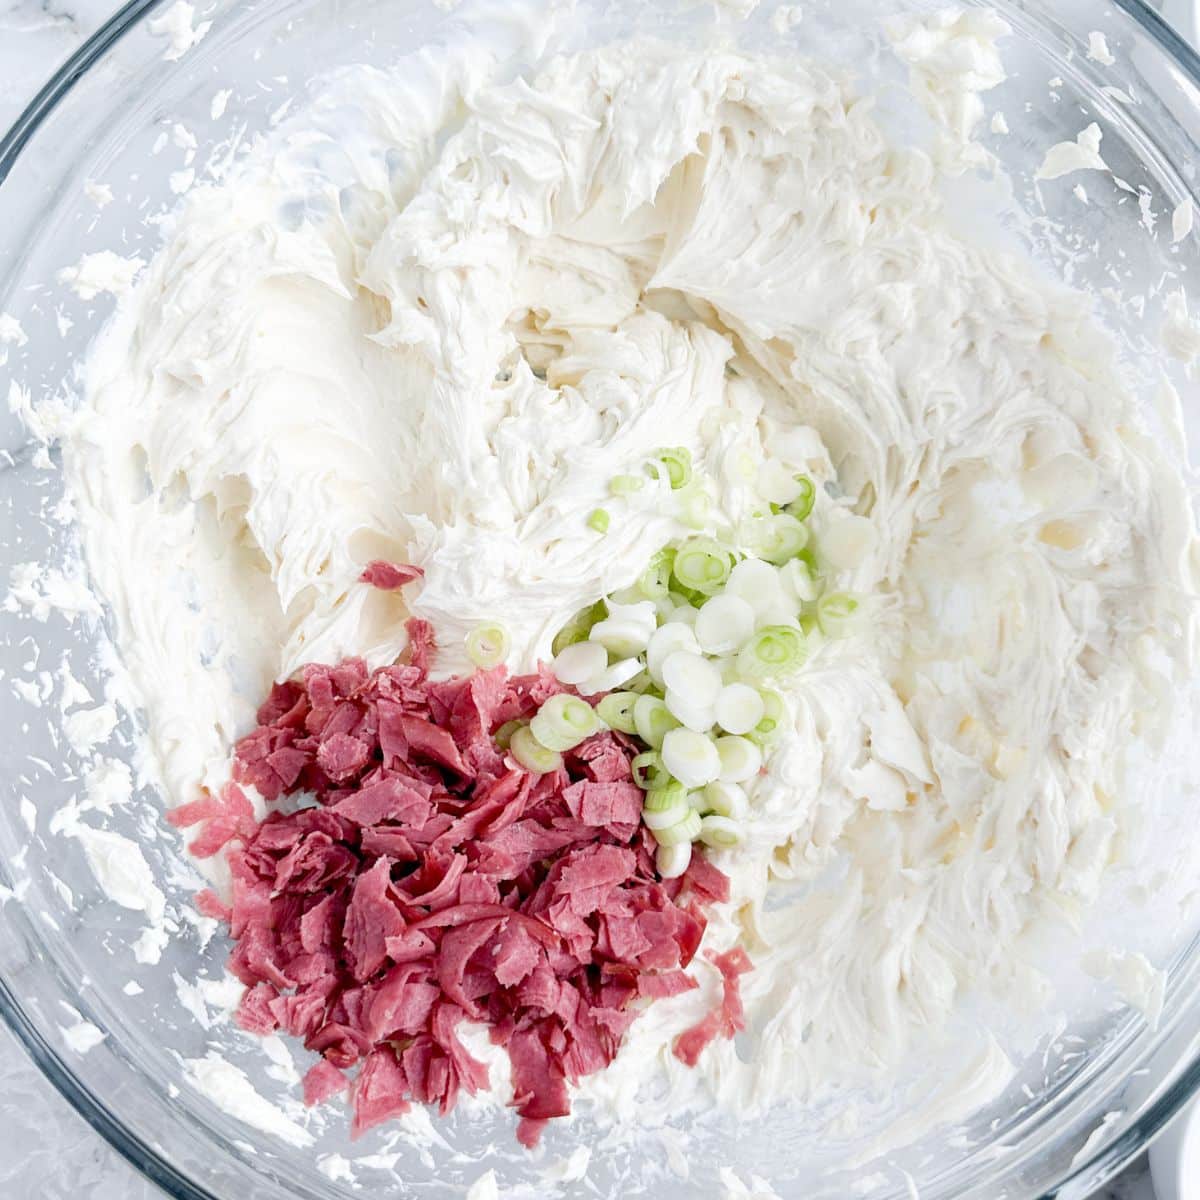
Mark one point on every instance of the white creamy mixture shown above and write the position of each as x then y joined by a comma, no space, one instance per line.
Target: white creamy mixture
433,315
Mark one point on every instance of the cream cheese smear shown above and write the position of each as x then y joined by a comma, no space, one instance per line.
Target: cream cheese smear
430,318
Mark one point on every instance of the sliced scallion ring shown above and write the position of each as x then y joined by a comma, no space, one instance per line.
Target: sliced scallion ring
563,722
531,754
803,503
653,720
503,736
616,711
488,645
721,833
773,652
625,485
770,724
686,829
673,861
598,519
702,565
678,463
837,613
579,626
654,583
648,771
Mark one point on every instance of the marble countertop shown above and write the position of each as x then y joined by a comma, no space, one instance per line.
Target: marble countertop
65,1159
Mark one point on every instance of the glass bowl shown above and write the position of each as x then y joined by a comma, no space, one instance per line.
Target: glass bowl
133,1029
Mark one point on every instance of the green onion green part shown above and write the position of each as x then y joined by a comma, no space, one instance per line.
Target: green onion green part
678,462
625,485
598,520
653,720
685,830
654,583
836,613
579,626
702,565
802,506
774,651
563,722
503,736
531,754
648,771
616,711
488,645
770,726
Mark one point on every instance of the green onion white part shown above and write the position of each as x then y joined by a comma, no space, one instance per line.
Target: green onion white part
626,629
625,485
673,861
836,613
738,759
696,678
608,680
578,663
739,708
724,623
697,717
488,645
725,800
690,757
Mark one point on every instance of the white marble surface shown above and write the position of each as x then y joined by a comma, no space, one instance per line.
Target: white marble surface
61,1157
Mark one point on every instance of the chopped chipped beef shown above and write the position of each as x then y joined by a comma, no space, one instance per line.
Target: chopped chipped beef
388,576
727,1018
436,881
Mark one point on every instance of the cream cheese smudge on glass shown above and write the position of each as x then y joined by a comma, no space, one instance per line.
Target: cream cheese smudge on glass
432,316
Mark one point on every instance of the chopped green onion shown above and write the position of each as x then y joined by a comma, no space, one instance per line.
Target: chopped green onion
770,724
724,624
774,651
798,581
673,809
690,757
625,485
616,711
578,627
836,612
488,645
739,708
598,520
665,641
531,754
694,677
653,721
695,507
563,722
803,504
685,830
616,676
776,538
503,736
627,629
648,771
678,462
740,759
671,795
578,663
726,800
721,833
673,861
702,565
654,583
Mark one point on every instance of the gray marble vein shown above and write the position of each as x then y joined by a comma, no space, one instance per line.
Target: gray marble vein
63,1158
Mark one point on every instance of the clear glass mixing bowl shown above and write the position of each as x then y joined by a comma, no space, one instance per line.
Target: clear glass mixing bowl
1087,1097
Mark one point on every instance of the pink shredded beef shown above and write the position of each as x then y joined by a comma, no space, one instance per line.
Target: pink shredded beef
436,881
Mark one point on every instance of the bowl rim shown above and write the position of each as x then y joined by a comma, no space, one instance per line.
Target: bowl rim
1095,1169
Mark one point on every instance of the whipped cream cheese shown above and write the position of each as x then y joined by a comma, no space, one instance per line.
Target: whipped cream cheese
437,310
